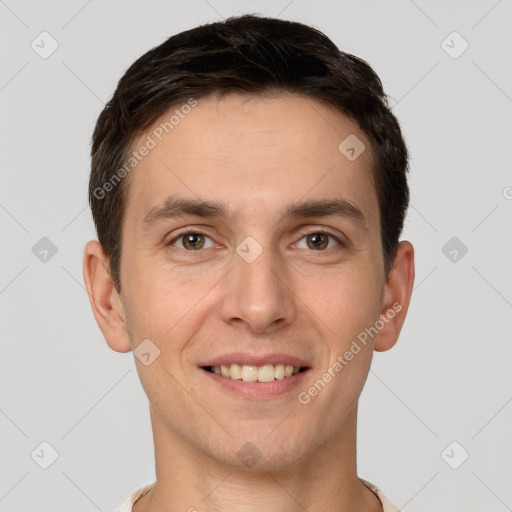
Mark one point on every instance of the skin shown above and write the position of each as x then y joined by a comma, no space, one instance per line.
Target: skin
257,155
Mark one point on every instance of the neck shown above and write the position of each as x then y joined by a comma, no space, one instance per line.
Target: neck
189,480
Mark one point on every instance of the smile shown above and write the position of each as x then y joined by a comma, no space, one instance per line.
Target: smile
252,373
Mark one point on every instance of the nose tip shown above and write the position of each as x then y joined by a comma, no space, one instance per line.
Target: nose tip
256,294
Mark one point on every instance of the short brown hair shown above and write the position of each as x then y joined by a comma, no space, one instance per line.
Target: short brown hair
253,55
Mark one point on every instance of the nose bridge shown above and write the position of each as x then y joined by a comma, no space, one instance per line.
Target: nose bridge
258,293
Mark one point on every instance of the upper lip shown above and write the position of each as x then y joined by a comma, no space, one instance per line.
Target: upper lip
246,359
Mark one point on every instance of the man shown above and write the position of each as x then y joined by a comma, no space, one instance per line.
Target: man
249,188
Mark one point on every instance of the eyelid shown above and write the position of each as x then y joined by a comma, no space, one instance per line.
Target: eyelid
186,231
342,241
301,233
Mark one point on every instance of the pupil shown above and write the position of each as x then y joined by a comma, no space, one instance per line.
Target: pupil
317,240
193,240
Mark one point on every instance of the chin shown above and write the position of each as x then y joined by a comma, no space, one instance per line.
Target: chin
259,454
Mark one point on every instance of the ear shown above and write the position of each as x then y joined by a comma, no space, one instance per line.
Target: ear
396,297
106,303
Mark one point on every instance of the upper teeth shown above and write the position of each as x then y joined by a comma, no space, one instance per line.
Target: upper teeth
265,373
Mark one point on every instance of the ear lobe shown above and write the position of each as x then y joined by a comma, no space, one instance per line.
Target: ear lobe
105,302
397,295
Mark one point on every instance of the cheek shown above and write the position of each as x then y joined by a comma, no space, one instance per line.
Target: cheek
346,302
164,302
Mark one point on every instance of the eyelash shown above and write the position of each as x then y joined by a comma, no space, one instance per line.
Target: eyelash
301,234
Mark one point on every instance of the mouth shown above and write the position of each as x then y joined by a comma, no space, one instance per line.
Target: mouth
252,376
253,373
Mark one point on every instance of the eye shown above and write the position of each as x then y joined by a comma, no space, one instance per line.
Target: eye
319,240
195,241
191,241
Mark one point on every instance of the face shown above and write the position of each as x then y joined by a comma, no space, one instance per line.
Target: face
282,267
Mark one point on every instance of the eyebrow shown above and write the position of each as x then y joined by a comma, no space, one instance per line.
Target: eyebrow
175,207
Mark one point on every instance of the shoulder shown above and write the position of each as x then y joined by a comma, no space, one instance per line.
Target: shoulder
386,504
134,496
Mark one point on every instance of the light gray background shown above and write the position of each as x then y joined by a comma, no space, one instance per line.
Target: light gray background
448,378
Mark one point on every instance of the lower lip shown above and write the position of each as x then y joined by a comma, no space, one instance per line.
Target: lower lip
258,390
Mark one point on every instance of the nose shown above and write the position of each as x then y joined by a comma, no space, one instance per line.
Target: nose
258,294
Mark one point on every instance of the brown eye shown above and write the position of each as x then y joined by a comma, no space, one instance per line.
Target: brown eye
317,241
191,241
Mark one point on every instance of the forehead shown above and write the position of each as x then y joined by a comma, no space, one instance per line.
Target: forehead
254,153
